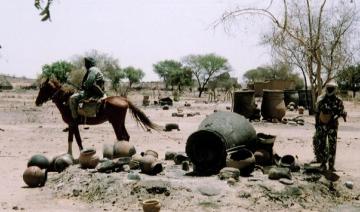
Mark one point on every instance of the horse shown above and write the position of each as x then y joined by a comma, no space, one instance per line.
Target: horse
113,109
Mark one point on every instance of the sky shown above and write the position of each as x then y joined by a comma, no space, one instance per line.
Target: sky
139,33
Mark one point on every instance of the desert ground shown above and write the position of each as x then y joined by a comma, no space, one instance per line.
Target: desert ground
26,130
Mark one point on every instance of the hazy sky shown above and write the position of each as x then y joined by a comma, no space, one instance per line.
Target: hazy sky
137,32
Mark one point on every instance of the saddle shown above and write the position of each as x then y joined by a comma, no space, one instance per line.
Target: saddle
89,108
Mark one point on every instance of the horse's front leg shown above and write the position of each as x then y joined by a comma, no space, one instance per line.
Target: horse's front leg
77,136
70,140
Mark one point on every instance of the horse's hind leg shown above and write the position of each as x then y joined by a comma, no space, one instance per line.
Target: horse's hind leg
120,131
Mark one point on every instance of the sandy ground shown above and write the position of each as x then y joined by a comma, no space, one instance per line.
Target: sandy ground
26,130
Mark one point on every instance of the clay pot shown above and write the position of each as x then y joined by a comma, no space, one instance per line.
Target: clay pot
108,151
273,105
244,103
39,160
61,162
149,165
151,205
88,159
287,161
34,177
291,96
324,118
242,159
151,152
123,149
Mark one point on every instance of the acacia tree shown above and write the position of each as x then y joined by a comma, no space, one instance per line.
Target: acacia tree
311,35
173,73
205,68
133,75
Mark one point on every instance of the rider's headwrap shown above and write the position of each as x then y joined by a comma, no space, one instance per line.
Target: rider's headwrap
89,62
330,88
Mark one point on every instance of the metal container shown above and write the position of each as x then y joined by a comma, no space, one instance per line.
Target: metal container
218,132
273,105
244,103
291,96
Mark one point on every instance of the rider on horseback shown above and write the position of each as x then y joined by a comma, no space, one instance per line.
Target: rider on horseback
92,86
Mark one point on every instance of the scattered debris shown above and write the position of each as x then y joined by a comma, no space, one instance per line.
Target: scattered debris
171,126
229,172
349,184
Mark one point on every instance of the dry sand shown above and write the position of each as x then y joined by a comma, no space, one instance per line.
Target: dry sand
26,130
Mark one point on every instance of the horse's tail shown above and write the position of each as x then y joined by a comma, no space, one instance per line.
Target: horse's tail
141,118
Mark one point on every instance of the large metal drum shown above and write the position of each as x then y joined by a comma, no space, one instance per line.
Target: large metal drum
218,132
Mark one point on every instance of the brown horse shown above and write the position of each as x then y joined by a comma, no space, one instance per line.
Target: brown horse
113,109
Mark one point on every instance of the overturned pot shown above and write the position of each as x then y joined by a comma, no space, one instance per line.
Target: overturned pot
242,159
61,162
149,165
123,149
206,148
34,176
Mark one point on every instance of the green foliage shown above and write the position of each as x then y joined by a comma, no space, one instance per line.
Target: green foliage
349,78
173,73
58,70
279,71
206,67
223,81
133,75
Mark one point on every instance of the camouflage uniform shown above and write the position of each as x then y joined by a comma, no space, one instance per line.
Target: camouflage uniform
92,86
326,151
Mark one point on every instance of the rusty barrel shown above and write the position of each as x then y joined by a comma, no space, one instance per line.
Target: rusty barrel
273,105
291,96
244,103
217,133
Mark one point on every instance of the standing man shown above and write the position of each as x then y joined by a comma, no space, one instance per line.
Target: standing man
329,108
92,86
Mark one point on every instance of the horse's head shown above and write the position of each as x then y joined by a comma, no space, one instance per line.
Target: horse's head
47,90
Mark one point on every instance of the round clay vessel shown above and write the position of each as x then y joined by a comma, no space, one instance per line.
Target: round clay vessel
34,177
123,149
149,165
151,205
88,159
61,162
39,160
262,157
243,159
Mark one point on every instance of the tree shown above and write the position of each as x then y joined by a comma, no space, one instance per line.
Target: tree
133,75
206,67
60,70
173,73
311,35
278,71
349,78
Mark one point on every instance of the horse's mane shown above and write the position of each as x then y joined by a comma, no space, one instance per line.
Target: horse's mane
64,90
